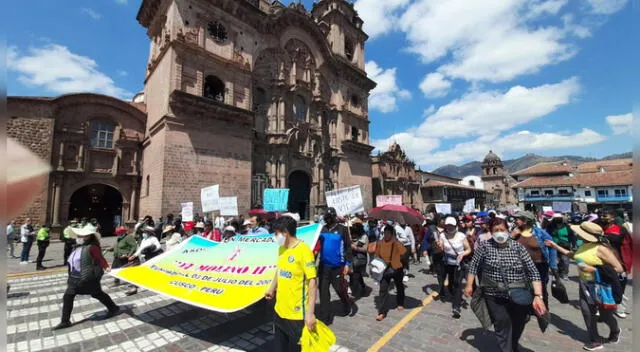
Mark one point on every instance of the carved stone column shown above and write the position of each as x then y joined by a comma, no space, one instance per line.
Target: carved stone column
81,157
61,157
57,188
133,201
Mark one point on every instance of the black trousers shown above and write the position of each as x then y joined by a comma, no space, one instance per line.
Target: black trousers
331,277
508,320
589,309
68,248
42,250
94,290
543,269
563,264
287,334
451,273
356,281
406,258
383,296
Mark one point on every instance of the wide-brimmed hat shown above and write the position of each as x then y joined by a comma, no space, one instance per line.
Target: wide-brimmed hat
588,231
525,215
147,228
168,228
86,230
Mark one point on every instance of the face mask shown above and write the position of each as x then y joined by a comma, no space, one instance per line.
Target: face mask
451,232
280,240
145,235
80,241
500,237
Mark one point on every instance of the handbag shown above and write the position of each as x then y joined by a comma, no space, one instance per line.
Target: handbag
520,292
463,266
559,291
602,293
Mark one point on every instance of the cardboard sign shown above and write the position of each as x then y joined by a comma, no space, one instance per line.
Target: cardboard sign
219,276
561,207
276,199
210,198
391,199
346,200
443,208
229,206
469,205
187,211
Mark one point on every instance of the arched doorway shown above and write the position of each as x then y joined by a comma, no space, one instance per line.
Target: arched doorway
299,193
98,201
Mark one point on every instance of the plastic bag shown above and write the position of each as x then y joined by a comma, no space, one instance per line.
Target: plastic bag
378,267
319,340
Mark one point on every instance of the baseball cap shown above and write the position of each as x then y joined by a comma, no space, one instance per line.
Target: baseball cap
450,221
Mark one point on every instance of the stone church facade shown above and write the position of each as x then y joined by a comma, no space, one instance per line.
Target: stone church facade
247,94
498,183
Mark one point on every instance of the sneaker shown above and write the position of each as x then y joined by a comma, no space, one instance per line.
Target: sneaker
620,312
62,325
614,337
405,279
24,263
456,313
41,268
592,346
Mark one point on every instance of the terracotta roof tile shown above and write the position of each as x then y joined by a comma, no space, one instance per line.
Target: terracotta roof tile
541,181
608,165
434,183
553,167
592,179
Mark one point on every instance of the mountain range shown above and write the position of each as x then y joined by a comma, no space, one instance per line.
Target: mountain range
513,165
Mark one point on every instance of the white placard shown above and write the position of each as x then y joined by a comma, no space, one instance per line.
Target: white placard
229,206
546,209
469,205
443,208
187,211
388,199
346,200
210,198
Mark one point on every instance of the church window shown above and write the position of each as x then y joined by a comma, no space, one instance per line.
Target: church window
213,88
355,102
102,134
349,49
217,31
147,186
300,106
259,98
472,183
354,134
495,171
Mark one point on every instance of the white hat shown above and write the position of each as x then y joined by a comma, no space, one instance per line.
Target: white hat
230,228
246,222
450,220
147,228
557,216
295,216
86,230
492,211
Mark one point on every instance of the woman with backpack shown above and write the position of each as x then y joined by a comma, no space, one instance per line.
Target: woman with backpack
595,252
86,267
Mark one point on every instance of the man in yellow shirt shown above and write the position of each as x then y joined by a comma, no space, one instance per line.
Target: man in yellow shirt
293,287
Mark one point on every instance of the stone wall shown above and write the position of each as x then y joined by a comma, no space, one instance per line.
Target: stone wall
35,133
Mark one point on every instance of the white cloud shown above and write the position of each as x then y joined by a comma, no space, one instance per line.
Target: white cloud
620,124
417,148
385,96
487,112
435,85
56,69
379,17
606,7
489,40
122,73
92,13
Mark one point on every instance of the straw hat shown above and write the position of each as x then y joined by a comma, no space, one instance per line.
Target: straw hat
86,230
588,231
168,228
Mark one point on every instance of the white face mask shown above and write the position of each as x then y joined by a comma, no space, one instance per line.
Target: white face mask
451,231
500,237
280,239
80,241
145,235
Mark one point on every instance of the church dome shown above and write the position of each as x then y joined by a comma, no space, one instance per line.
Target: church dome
491,157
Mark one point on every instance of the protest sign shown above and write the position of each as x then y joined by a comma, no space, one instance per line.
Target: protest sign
561,207
546,208
187,211
276,199
210,198
443,208
346,200
469,205
229,206
390,199
222,277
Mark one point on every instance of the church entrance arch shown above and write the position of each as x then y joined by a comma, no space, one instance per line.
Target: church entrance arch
299,193
99,201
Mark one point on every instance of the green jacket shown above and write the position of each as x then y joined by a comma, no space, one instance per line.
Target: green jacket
125,246
43,234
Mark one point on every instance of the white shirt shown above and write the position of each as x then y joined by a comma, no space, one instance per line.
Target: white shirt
405,236
151,241
24,233
174,241
453,245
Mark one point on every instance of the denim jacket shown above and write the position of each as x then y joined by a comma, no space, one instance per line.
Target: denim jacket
550,254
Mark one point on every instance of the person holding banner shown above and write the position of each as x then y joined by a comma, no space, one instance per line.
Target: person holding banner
293,287
335,260
149,247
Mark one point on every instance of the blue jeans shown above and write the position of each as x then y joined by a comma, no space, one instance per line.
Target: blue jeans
26,248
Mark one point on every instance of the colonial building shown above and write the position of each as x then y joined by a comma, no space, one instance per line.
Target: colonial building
247,94
497,182
394,174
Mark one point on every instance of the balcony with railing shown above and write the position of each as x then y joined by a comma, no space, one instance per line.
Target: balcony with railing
549,198
613,198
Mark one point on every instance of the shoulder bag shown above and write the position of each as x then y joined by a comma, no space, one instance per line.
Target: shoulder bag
519,292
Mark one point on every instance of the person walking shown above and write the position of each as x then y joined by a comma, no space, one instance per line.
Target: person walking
404,234
595,252
27,236
293,287
11,239
565,238
125,247
43,242
86,267
391,251
149,248
506,266
456,250
335,260
359,245
68,238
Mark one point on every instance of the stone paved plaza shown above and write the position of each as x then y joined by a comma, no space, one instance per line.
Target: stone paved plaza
151,322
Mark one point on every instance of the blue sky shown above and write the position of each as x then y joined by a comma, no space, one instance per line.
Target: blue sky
455,77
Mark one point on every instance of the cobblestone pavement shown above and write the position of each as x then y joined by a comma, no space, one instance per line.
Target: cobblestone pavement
154,323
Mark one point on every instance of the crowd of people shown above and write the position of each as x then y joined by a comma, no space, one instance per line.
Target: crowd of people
504,263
